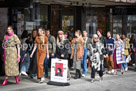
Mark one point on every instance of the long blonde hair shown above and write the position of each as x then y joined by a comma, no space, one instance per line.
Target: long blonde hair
62,41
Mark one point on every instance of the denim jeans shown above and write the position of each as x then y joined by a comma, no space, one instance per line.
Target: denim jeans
24,66
46,61
83,62
124,65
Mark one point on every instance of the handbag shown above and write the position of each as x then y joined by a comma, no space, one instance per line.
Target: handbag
128,58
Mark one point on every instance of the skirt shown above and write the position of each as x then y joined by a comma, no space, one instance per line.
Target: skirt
116,66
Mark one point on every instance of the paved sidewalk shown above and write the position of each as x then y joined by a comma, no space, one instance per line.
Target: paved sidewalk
126,82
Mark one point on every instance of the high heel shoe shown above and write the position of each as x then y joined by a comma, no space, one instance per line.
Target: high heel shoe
17,80
5,82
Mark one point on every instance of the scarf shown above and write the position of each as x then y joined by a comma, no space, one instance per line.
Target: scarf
8,35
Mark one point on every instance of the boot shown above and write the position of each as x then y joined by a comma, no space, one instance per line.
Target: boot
17,80
5,82
76,74
79,74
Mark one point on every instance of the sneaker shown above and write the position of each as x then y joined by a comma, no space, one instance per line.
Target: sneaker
109,72
24,73
126,69
112,71
92,80
101,78
42,80
122,72
83,75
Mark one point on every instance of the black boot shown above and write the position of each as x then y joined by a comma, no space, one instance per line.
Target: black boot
76,74
79,74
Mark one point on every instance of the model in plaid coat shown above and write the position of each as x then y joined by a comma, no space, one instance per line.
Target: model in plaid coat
118,54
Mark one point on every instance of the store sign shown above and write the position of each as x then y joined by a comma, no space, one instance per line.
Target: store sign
29,25
59,69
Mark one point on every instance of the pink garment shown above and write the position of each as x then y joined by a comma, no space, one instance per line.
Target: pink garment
8,35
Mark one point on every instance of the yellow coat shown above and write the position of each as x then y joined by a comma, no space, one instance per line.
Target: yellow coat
126,45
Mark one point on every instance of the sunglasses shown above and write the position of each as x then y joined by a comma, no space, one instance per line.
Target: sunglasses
95,37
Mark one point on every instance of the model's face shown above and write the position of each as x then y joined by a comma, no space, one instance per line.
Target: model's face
34,33
60,36
108,35
76,34
40,32
9,30
47,33
84,33
98,33
95,39
123,36
117,37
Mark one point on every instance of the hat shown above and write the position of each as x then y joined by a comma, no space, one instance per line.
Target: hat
100,30
60,32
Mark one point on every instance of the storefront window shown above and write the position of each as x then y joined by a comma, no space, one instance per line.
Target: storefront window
44,16
117,25
95,19
131,25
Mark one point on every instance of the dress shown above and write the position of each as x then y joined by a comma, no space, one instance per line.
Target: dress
11,64
116,66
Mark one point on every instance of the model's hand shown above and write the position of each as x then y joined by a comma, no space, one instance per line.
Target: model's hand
106,55
48,56
80,57
25,55
62,55
18,56
52,54
31,55
122,56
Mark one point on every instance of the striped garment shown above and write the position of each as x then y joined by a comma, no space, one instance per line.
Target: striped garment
119,51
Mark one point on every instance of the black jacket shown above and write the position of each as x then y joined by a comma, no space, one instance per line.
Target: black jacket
62,49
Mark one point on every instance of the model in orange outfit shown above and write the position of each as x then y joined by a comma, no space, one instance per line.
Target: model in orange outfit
42,50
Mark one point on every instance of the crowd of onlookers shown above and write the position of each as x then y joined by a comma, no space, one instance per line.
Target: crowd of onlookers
101,54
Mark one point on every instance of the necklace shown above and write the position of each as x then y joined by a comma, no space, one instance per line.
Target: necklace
9,38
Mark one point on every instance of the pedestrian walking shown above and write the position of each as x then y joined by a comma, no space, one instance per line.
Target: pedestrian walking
87,41
11,55
42,49
109,59
25,60
77,52
95,52
32,71
126,53
52,50
118,54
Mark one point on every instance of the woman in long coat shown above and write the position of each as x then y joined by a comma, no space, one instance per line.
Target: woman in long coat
77,53
118,54
11,55
96,50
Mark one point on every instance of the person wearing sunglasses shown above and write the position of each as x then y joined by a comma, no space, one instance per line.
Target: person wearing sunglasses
95,51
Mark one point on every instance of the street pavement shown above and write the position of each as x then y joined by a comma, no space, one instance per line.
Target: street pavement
126,82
